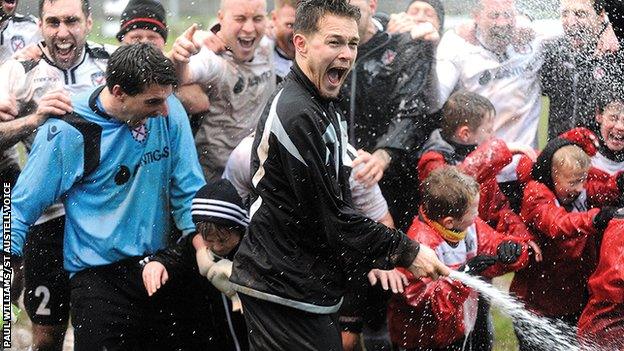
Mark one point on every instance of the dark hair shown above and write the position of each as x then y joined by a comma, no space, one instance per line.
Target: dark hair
309,12
86,8
599,6
447,192
135,67
464,108
610,90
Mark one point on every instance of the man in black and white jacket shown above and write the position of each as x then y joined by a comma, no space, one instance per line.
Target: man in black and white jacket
304,234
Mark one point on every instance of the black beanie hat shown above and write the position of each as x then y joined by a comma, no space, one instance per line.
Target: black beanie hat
143,14
438,7
218,202
542,168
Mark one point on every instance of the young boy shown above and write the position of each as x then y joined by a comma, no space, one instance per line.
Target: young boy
440,314
220,220
602,321
610,118
566,213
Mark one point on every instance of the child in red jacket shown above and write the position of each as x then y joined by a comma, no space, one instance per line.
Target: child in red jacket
440,314
566,213
602,321
465,140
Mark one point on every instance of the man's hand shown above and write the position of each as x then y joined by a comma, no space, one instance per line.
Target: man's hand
8,109
526,150
212,41
154,277
184,46
608,42
427,264
55,102
31,52
404,23
392,278
373,166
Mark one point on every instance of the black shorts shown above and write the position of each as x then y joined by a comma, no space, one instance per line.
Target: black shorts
46,283
280,328
111,311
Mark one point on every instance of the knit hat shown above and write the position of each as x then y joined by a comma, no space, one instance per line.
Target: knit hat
542,168
218,202
437,6
143,14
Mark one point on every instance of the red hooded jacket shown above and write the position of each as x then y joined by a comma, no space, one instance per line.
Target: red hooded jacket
602,320
483,164
434,314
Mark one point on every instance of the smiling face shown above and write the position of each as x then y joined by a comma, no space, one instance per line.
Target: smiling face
243,23
581,24
64,28
327,55
496,20
611,122
569,182
283,20
136,109
8,8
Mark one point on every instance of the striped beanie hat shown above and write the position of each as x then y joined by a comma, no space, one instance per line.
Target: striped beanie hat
218,202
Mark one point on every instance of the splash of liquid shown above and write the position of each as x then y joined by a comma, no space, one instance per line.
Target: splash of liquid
542,332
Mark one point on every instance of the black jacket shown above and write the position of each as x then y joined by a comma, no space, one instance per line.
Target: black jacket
386,99
304,233
573,81
212,309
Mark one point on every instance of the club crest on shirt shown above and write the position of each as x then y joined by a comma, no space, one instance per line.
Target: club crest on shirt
98,78
388,57
17,42
140,133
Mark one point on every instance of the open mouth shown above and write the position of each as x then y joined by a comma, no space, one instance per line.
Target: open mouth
64,49
246,43
335,74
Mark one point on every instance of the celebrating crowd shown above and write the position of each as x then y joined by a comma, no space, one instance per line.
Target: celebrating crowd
307,179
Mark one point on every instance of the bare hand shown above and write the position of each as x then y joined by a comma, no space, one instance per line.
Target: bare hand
185,46
400,23
31,52
212,41
528,151
55,102
154,277
537,251
8,109
468,32
425,31
427,264
608,42
373,166
393,279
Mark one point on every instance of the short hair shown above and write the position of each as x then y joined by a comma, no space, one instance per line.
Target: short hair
137,66
599,6
464,108
610,91
448,192
309,12
571,157
281,3
86,7
204,228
